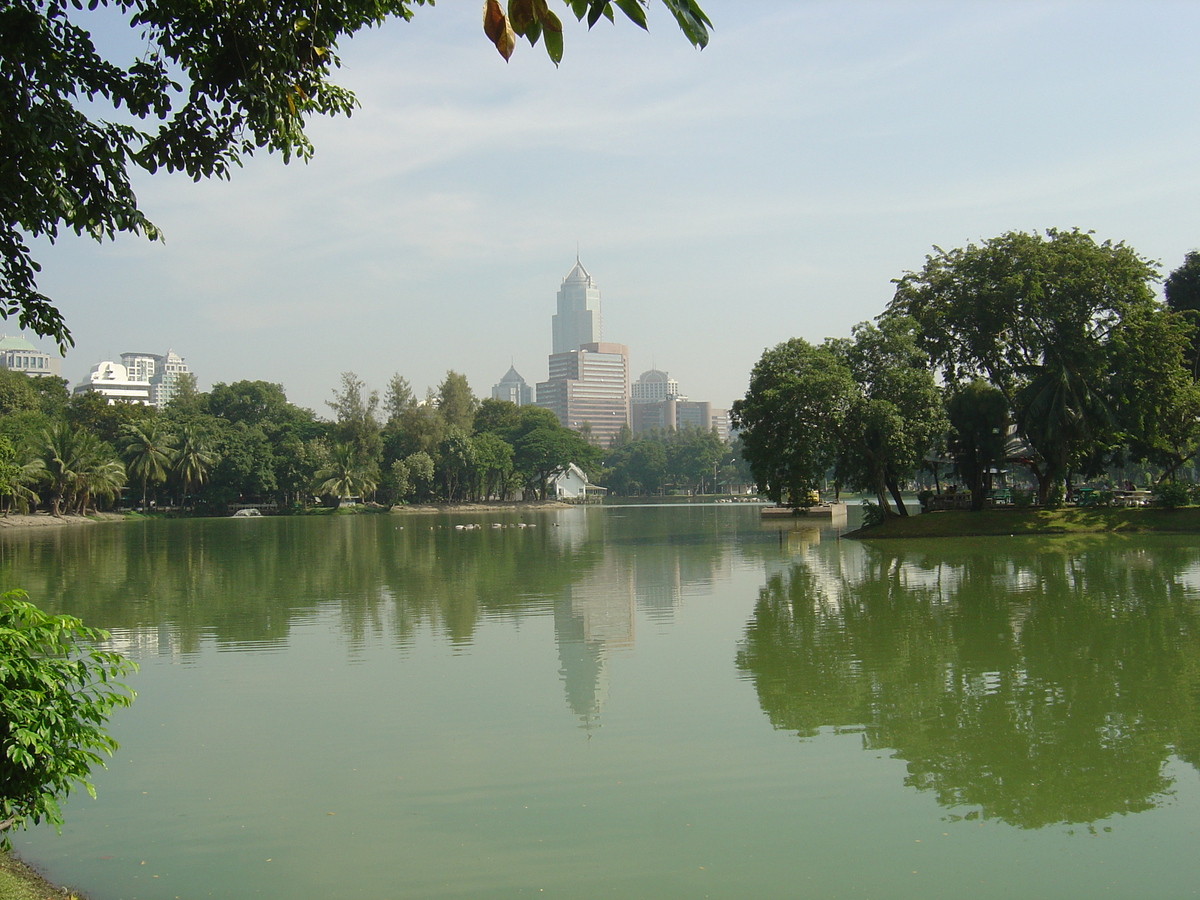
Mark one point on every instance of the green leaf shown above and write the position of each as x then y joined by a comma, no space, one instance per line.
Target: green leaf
691,19
595,12
549,21
634,10
520,15
554,45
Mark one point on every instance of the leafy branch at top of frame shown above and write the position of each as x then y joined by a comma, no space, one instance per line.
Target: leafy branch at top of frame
534,21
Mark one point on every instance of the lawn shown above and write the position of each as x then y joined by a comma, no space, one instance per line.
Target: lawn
1069,520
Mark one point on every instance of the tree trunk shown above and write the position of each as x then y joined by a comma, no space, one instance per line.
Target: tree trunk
894,487
881,496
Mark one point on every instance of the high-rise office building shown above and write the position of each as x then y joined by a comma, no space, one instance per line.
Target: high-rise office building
512,387
655,386
589,385
577,321
658,404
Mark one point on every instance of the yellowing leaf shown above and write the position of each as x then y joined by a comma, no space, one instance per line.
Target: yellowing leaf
497,28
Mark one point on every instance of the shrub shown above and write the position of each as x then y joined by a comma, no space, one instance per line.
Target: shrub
872,513
1022,499
1055,497
56,692
1172,494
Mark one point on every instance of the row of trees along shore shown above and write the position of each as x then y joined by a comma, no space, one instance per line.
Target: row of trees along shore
1046,352
246,443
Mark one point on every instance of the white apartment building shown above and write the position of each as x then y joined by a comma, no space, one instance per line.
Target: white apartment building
162,372
19,355
112,381
146,378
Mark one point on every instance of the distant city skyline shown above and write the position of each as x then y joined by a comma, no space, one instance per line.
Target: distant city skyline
768,187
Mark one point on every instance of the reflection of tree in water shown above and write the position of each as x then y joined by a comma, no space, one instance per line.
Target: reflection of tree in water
174,584
1037,682
251,581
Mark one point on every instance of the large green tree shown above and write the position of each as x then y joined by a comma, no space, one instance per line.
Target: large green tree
212,83
791,418
344,476
1034,314
866,408
978,415
897,416
1182,291
456,401
357,426
1158,405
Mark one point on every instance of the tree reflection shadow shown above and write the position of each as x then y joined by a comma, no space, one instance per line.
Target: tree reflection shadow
1033,682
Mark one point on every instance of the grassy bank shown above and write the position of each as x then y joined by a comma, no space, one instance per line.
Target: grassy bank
19,882
960,523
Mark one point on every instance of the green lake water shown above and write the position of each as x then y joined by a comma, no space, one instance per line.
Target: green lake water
629,702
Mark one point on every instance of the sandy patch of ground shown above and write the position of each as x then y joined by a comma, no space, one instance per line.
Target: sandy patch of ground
45,520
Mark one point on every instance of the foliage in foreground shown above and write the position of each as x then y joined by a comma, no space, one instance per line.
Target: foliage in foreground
56,693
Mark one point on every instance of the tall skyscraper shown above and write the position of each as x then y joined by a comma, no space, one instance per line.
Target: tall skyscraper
577,321
589,385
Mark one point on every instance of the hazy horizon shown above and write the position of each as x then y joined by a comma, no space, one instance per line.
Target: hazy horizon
768,187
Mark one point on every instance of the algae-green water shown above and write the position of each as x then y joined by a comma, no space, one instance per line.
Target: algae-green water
629,702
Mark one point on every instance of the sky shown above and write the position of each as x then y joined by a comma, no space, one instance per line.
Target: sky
770,186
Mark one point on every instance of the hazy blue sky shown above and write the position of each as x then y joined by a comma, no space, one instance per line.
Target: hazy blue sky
770,186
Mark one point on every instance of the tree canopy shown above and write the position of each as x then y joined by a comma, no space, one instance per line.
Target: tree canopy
1037,316
866,409
214,83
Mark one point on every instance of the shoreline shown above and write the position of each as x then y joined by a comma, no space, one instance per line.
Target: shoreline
1027,522
46,520
24,521
20,881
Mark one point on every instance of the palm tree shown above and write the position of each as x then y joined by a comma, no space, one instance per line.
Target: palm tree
192,459
57,462
99,473
344,476
148,448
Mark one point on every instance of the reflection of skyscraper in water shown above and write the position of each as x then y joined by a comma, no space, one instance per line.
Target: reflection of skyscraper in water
593,619
595,616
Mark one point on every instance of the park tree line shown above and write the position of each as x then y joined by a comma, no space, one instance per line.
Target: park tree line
246,443
1047,352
